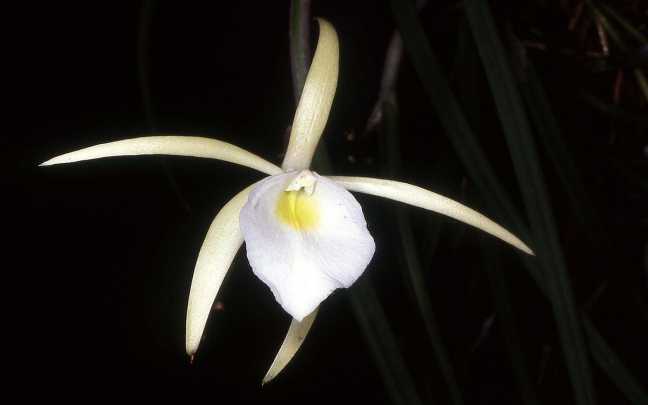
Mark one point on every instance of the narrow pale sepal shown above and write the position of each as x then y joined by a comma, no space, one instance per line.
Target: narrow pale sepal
218,250
420,197
290,345
305,236
315,101
193,146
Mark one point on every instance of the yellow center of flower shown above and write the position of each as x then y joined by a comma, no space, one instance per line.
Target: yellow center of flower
297,209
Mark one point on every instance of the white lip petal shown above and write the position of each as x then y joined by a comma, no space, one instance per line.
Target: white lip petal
304,246
223,240
315,101
290,345
170,145
420,197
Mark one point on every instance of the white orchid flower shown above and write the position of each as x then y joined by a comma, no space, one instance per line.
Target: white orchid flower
305,234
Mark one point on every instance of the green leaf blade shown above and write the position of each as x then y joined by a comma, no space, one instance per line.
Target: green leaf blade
527,168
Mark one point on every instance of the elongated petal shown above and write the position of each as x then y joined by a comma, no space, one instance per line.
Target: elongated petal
170,145
305,236
223,240
420,197
315,102
292,342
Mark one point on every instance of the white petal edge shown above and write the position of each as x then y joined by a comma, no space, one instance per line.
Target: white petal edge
217,252
315,101
420,197
170,145
290,345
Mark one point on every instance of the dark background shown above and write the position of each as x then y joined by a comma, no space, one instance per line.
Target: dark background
100,254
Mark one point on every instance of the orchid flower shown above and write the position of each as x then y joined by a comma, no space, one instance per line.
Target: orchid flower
305,234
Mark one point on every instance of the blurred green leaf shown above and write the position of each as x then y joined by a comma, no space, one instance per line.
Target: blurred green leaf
144,82
457,128
413,264
627,26
462,137
299,35
614,111
611,31
637,177
467,76
548,131
529,174
642,82
450,113
619,41
382,343
143,60
506,320
611,363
